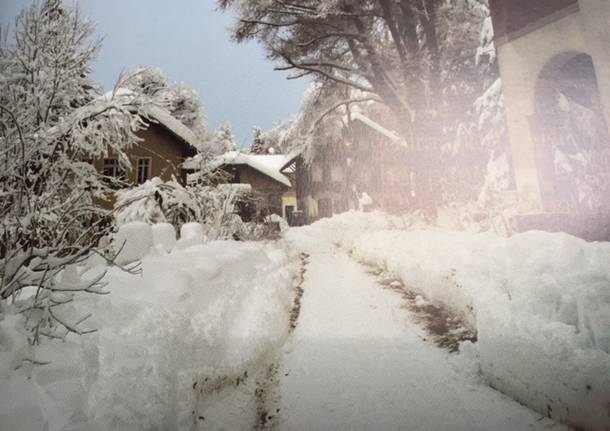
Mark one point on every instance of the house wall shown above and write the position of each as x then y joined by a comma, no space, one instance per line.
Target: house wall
364,162
581,28
384,170
323,186
289,198
271,190
165,151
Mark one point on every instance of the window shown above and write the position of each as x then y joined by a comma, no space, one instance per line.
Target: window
316,173
336,173
326,173
112,169
235,175
143,170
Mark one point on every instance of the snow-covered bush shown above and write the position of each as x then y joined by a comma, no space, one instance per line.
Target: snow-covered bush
50,125
214,207
156,201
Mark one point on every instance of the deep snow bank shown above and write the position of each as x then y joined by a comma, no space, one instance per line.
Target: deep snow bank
539,301
203,309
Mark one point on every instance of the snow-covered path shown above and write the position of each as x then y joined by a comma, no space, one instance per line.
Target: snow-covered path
356,362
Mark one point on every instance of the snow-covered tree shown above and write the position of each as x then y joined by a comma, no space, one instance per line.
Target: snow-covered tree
50,126
320,119
185,105
181,100
277,138
477,130
147,80
258,143
396,50
223,139
422,59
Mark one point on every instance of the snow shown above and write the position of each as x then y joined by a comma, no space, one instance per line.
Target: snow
540,303
191,234
268,164
133,241
357,360
164,236
191,230
204,310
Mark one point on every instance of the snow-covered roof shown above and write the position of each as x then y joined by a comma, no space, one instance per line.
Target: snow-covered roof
163,117
268,164
159,115
354,116
290,157
393,136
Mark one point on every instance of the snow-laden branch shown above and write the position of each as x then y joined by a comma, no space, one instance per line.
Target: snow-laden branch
331,76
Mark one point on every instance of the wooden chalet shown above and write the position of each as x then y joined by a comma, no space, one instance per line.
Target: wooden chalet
271,188
165,144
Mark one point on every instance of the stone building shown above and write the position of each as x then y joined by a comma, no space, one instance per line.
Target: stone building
554,58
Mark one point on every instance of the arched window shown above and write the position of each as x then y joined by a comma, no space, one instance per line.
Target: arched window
571,136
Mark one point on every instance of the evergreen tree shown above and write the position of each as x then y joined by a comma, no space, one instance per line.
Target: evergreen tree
258,143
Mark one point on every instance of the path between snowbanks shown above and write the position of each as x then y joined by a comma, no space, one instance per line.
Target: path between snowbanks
356,362
539,302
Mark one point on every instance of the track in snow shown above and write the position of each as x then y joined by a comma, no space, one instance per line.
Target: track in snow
357,361
441,325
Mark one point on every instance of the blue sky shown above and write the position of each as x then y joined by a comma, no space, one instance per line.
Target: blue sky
188,39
